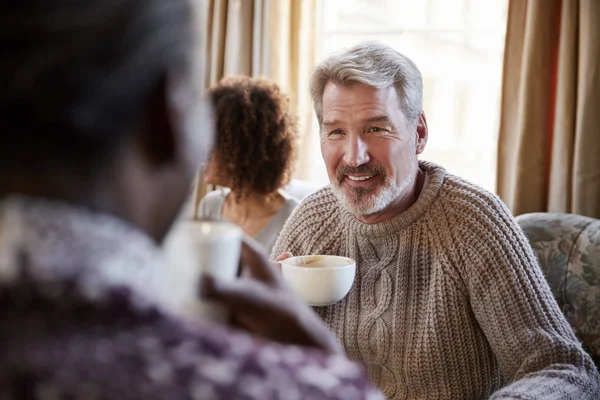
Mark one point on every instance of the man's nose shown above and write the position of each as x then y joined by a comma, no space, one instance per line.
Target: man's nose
357,152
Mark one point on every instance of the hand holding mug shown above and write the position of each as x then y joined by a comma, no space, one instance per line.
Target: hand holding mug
262,303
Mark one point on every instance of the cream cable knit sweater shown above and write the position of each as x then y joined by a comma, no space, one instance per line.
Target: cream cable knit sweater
449,301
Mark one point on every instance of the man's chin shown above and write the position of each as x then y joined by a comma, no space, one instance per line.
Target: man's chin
366,200
362,195
356,203
359,192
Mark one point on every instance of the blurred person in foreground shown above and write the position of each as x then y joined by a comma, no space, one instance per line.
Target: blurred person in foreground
449,301
97,155
253,157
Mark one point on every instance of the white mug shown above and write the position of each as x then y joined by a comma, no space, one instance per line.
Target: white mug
209,247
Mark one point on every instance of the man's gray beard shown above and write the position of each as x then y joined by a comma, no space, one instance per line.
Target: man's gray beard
366,201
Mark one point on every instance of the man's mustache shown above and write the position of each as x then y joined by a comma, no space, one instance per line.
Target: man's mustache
342,171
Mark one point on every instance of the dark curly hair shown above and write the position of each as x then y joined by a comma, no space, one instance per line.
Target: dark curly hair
256,134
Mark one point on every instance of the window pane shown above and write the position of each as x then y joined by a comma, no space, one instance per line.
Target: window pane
458,46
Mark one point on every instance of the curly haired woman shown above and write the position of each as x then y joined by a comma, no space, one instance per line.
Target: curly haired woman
253,157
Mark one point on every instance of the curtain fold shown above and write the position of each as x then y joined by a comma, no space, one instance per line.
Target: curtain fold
268,38
549,141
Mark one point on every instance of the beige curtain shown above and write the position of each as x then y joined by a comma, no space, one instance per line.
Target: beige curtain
549,143
270,38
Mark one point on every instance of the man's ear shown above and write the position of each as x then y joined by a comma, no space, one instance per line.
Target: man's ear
422,133
157,135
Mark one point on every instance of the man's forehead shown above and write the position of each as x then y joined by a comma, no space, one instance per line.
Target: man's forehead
365,116
357,94
358,102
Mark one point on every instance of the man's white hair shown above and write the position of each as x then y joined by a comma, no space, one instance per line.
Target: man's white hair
374,64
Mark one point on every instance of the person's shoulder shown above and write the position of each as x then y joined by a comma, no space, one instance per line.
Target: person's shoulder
462,196
215,196
291,201
71,305
211,203
316,208
323,200
130,330
313,227
453,194
476,215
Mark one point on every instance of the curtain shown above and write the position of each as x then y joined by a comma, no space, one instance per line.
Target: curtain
549,141
269,38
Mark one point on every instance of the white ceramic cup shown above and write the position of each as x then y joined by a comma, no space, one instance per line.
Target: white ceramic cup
318,279
215,250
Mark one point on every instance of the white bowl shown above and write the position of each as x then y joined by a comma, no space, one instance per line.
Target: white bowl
319,280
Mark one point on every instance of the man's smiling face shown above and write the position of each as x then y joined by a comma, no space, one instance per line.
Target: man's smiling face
369,148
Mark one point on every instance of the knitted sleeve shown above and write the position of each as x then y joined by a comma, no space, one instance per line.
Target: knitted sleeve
537,351
313,228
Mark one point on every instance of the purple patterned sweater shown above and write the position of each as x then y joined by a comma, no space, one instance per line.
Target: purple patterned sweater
82,319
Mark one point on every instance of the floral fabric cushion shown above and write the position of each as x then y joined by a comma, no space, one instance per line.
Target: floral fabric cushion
568,248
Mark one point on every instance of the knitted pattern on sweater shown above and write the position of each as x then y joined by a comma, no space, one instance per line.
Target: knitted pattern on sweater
449,301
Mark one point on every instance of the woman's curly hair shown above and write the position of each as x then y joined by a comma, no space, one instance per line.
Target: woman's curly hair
256,134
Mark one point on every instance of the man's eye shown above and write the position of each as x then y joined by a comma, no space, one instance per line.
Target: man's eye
376,129
335,132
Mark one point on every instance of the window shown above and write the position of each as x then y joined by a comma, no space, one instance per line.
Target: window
458,46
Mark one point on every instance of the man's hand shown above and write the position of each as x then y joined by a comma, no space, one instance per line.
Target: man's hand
261,303
284,256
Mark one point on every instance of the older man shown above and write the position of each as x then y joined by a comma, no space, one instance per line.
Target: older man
448,302
100,134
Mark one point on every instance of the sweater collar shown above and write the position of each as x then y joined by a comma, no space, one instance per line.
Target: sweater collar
429,193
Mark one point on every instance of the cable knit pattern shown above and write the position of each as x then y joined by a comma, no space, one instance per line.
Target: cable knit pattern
449,301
